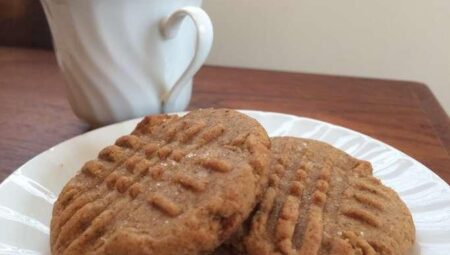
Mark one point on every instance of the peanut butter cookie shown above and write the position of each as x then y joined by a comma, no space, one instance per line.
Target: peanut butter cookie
175,185
322,201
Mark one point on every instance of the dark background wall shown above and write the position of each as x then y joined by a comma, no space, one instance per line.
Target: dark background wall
23,24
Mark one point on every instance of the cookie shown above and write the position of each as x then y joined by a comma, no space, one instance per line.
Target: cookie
175,185
322,201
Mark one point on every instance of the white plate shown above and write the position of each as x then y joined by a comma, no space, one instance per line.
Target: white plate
26,197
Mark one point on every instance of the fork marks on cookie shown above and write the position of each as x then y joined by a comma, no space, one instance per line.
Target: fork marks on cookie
164,204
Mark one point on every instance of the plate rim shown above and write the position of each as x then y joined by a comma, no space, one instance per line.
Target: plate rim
399,154
245,111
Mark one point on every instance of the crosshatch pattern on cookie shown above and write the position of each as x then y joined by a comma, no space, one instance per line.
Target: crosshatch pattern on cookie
322,201
172,174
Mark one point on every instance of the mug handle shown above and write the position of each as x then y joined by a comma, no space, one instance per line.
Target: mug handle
169,27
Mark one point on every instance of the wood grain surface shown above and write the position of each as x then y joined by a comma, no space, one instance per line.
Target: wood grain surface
23,23
35,115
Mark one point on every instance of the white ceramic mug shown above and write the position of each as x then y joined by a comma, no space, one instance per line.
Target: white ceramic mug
128,58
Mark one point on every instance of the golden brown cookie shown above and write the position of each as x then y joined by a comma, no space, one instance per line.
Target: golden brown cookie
322,201
176,185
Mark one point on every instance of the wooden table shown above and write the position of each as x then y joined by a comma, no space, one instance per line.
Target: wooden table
35,115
